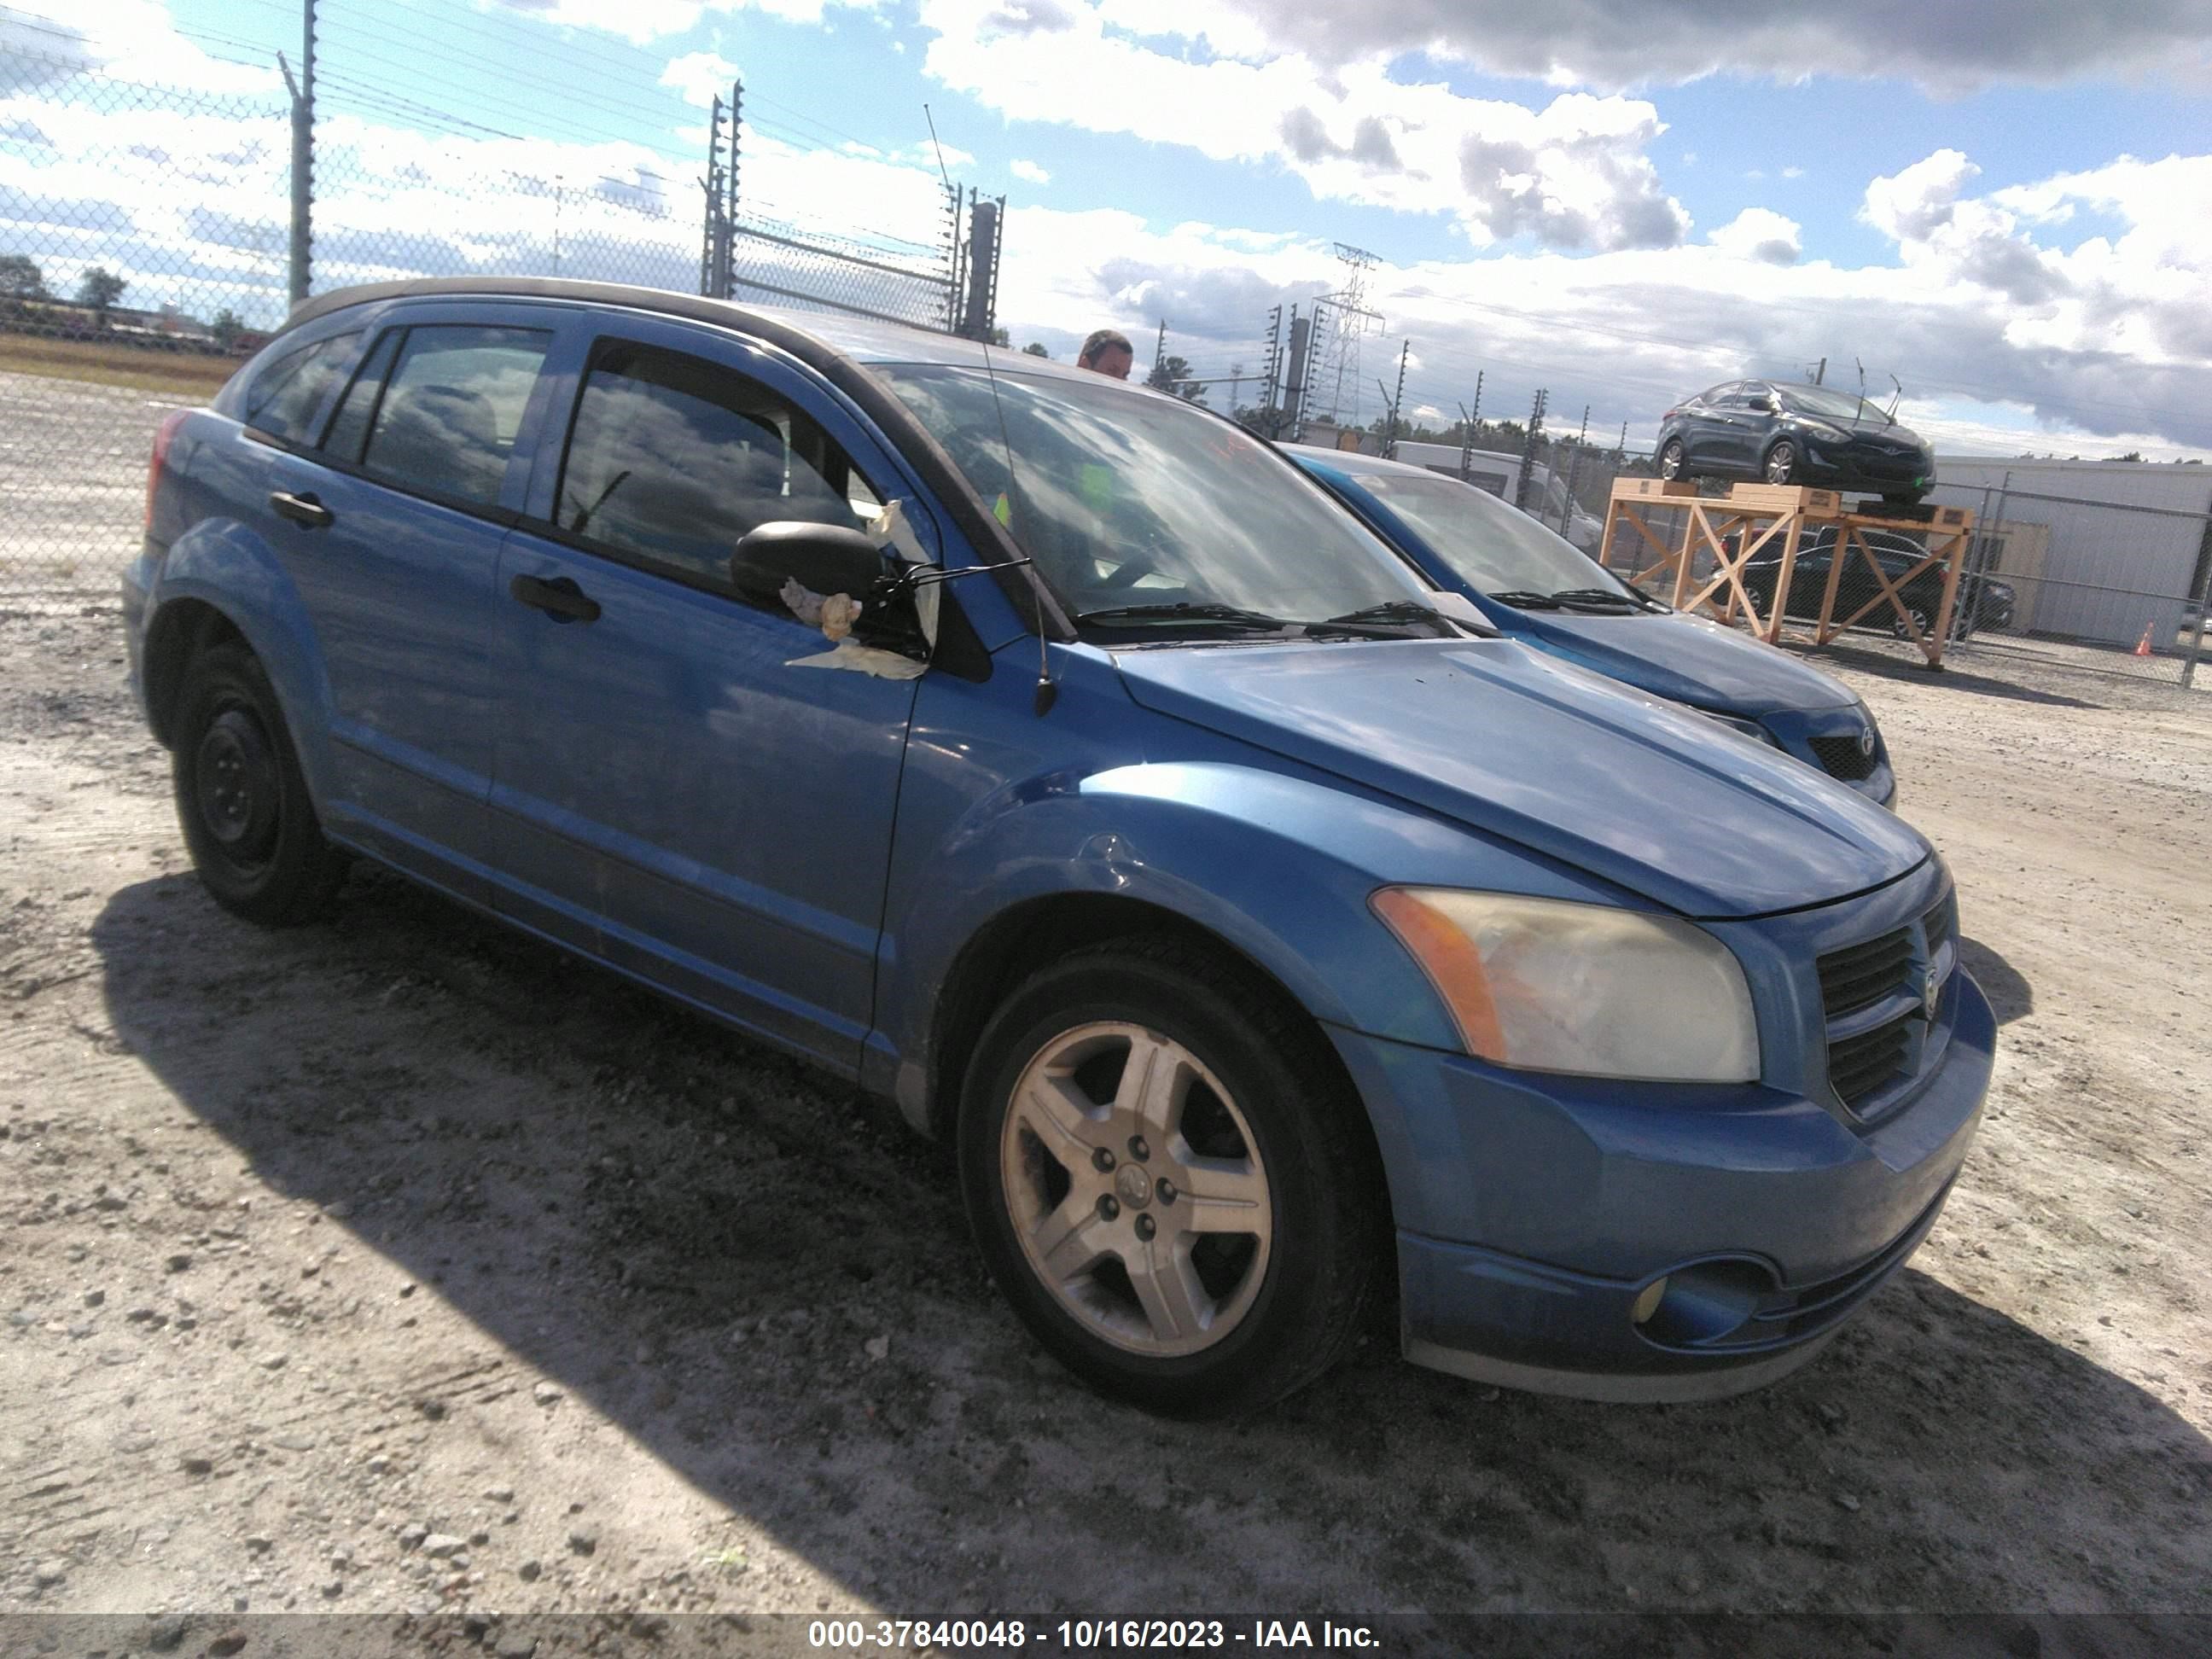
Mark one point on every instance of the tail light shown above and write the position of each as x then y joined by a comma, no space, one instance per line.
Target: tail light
170,422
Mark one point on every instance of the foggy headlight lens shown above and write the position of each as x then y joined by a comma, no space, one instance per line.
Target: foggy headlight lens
1548,986
1737,723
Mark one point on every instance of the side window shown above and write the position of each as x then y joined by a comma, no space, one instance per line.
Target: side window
348,433
447,422
673,459
284,396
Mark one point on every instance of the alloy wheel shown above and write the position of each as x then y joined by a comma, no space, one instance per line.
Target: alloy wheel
1136,1189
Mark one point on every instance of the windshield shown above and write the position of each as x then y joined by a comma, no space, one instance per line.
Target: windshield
1835,406
1134,504
1489,545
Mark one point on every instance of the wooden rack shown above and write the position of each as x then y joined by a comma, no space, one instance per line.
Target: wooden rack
1758,518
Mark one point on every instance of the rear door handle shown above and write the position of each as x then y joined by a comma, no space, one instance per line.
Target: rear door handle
301,509
560,599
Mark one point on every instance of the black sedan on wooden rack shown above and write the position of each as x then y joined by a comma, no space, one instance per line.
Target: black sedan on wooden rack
1779,434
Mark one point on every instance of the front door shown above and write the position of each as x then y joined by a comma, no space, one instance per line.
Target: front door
670,793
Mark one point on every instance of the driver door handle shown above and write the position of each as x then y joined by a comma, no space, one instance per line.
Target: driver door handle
301,509
560,599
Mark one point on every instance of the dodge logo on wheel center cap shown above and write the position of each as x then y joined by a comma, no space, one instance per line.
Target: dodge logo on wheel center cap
1134,1186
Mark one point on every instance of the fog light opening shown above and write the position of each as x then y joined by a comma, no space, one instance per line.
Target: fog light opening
1647,1302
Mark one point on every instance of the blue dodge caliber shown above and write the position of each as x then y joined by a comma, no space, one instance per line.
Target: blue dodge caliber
1249,929
1537,587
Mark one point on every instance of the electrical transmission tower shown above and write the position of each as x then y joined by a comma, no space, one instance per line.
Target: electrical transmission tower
1332,385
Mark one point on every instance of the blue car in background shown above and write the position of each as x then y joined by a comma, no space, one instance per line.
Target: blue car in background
1249,930
1538,589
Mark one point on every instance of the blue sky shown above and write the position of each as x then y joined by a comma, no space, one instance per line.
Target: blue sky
2003,204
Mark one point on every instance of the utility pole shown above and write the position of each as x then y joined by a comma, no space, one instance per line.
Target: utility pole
710,240
1574,466
1272,387
1294,380
1820,374
1391,443
303,156
1528,450
1620,451
1467,441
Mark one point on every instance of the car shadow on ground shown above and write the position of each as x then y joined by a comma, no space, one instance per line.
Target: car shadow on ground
2006,987
704,1240
1916,672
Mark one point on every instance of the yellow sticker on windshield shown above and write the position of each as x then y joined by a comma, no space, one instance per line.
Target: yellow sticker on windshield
1003,512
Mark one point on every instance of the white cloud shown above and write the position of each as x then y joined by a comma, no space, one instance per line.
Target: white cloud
1761,233
1793,173
1622,43
701,77
1574,174
1028,170
127,39
640,22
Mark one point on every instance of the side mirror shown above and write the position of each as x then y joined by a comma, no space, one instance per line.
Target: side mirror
1764,405
826,558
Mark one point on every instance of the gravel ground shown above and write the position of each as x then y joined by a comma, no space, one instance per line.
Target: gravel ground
399,1264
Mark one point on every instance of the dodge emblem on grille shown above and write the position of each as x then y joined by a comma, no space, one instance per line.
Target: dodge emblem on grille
1931,990
1866,741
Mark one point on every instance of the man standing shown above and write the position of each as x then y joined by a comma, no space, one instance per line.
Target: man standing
1107,351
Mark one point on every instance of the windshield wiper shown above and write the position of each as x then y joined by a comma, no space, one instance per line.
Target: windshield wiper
1388,619
1606,598
1182,610
1526,599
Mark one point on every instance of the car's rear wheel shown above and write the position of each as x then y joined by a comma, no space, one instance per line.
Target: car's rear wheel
1923,619
1168,1180
1670,459
242,799
1780,463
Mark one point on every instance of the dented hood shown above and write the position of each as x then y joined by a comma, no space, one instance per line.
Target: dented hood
1518,744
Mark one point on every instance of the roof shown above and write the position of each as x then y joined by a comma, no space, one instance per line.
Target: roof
861,339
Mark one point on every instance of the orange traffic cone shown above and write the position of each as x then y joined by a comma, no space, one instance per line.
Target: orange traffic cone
2142,645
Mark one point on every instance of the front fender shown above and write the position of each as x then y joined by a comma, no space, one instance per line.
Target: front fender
1277,866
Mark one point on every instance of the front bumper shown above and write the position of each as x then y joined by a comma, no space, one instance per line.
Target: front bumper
1854,466
1534,1211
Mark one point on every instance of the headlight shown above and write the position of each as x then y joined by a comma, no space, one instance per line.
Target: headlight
1822,430
1544,984
1737,723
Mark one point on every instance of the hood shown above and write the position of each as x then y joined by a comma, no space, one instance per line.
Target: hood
1685,659
1519,745
1874,427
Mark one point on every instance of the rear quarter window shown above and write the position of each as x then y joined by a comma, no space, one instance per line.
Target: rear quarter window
285,395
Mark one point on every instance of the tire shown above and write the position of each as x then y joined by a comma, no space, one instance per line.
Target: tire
241,798
1908,498
1780,466
1222,1320
1670,460
1923,619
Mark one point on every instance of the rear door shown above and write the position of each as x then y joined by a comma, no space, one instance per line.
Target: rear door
670,793
396,516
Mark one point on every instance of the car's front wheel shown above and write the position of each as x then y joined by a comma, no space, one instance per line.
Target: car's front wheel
242,799
1923,619
1169,1179
1781,467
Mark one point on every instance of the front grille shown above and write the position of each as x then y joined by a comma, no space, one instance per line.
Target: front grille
1860,976
1939,924
1858,1065
1842,757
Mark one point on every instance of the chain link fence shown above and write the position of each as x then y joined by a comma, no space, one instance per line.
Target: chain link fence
145,250
2072,582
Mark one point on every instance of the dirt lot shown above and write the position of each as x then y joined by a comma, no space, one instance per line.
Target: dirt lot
398,1264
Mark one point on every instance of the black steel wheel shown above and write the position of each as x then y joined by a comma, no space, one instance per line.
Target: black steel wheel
242,799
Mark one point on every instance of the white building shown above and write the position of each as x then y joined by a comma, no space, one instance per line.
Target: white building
2121,547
